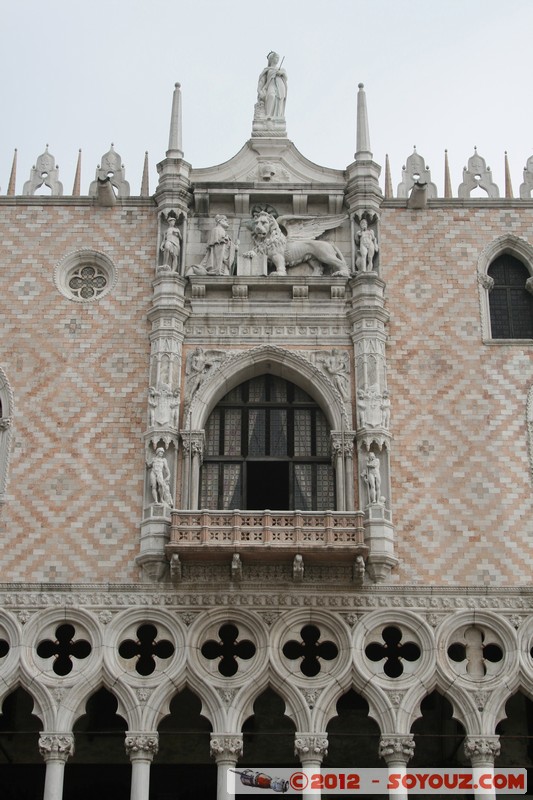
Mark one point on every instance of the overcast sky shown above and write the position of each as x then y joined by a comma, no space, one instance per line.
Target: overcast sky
438,74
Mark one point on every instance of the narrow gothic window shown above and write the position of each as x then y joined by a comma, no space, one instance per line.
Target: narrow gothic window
511,305
267,446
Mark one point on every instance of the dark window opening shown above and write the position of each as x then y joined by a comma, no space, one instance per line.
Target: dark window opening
267,446
511,305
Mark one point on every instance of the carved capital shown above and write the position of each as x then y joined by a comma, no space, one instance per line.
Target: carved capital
193,443
311,745
142,745
397,748
56,745
226,746
342,443
5,423
485,281
482,747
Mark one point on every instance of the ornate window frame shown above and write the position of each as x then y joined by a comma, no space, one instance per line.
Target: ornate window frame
74,263
508,244
6,418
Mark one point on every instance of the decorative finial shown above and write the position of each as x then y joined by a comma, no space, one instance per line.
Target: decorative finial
13,176
174,139
362,146
76,189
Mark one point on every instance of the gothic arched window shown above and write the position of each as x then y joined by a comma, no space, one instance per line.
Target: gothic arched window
510,303
267,446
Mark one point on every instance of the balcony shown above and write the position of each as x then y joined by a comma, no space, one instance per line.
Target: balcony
269,536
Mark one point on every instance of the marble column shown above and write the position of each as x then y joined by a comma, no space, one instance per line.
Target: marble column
226,749
397,750
310,749
482,750
141,747
55,748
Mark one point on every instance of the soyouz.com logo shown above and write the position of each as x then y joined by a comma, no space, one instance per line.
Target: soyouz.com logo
376,781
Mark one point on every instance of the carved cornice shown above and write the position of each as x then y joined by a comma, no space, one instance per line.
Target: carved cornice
56,745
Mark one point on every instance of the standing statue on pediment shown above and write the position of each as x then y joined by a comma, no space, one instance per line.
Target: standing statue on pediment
220,253
272,88
160,478
372,477
367,246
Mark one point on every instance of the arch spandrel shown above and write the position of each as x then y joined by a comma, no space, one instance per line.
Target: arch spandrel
269,359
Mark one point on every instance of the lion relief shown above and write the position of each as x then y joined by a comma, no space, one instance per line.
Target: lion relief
300,245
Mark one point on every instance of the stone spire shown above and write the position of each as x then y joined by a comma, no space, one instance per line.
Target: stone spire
174,139
77,177
13,176
363,194
145,187
362,146
388,179
508,185
447,179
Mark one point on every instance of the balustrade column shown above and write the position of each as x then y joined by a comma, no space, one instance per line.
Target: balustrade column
141,748
193,448
397,750
311,748
55,748
482,750
226,749
337,458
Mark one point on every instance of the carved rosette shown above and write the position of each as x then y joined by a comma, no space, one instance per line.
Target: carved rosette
310,745
397,748
226,746
56,746
482,748
141,745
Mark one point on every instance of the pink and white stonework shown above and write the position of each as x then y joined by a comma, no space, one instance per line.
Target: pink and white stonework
266,408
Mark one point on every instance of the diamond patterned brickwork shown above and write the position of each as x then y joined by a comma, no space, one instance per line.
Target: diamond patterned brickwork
462,490
79,377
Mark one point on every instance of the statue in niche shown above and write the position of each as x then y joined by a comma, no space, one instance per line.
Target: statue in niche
385,409
160,478
220,253
272,88
336,365
163,406
200,363
171,245
372,477
367,247
300,245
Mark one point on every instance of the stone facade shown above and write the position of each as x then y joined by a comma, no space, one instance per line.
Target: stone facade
130,323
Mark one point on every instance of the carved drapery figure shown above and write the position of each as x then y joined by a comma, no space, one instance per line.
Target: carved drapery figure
220,253
272,88
200,364
367,246
171,245
336,365
160,478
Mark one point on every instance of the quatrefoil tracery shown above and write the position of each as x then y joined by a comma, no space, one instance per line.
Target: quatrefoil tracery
228,649
145,648
476,654
64,649
310,650
394,651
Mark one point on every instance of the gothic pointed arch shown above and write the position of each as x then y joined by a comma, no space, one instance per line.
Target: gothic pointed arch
6,417
293,366
505,278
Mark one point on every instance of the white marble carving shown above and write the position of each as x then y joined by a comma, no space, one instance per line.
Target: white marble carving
336,364
111,170
200,364
300,245
269,111
367,247
220,252
163,405
372,477
160,478
527,186
475,175
171,246
415,173
44,173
